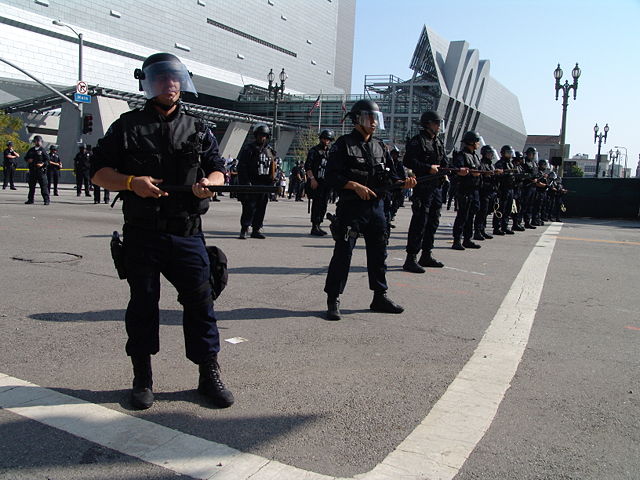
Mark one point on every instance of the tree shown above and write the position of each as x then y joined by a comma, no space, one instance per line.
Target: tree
307,138
576,171
9,129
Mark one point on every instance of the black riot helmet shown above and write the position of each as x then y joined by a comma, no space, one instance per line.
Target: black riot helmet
37,139
158,67
531,154
430,116
486,149
53,147
542,164
470,137
9,143
363,111
262,129
518,155
530,150
327,133
506,148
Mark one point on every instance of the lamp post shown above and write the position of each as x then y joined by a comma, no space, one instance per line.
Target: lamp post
278,94
625,161
80,44
613,156
598,137
557,74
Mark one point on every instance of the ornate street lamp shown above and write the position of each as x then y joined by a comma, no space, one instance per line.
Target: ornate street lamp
278,94
613,156
566,88
599,137
625,160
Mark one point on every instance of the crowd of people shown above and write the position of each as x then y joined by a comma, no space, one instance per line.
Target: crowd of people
162,232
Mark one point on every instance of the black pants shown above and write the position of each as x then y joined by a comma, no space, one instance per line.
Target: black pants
9,174
319,202
96,194
39,177
487,202
254,208
501,221
468,205
425,219
82,178
53,176
185,263
367,218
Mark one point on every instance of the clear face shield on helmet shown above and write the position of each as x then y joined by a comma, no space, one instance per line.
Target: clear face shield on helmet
370,119
163,78
531,157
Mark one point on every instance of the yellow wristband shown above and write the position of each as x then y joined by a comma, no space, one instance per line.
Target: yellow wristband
129,180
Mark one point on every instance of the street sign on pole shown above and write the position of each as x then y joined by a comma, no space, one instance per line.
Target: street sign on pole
82,87
81,98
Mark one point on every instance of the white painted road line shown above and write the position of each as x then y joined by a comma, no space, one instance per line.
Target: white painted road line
440,445
436,449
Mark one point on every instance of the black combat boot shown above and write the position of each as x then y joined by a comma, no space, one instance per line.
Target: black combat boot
333,308
315,230
478,236
257,233
529,226
457,244
142,393
210,385
322,232
382,303
467,243
243,234
518,228
497,231
411,265
486,235
508,231
427,260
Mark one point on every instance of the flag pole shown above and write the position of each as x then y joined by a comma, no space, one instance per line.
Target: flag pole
320,113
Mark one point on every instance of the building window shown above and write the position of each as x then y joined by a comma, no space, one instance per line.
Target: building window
114,13
240,56
182,47
202,3
44,3
250,37
283,18
309,41
329,72
313,62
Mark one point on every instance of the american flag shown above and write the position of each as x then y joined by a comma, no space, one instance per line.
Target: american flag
316,104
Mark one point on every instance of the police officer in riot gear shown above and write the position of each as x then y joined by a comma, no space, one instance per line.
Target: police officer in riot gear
361,172
9,164
488,192
315,167
505,192
81,167
528,190
37,160
53,172
467,192
142,150
397,196
256,166
537,217
425,154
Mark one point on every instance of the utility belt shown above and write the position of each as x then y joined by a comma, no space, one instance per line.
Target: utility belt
180,226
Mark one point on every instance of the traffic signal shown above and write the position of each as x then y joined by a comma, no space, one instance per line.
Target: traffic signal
87,124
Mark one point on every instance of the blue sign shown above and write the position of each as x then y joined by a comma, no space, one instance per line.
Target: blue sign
82,98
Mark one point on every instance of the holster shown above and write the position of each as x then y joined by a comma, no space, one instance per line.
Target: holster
117,253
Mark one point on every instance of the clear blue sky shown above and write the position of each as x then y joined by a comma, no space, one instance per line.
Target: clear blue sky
525,40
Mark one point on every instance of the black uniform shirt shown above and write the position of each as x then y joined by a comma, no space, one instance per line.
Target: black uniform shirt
7,160
423,152
317,161
343,165
467,159
37,155
112,149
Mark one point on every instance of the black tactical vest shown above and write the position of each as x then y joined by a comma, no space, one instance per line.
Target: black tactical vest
365,162
169,150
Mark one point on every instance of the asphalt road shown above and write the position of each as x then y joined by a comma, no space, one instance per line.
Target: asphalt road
328,397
